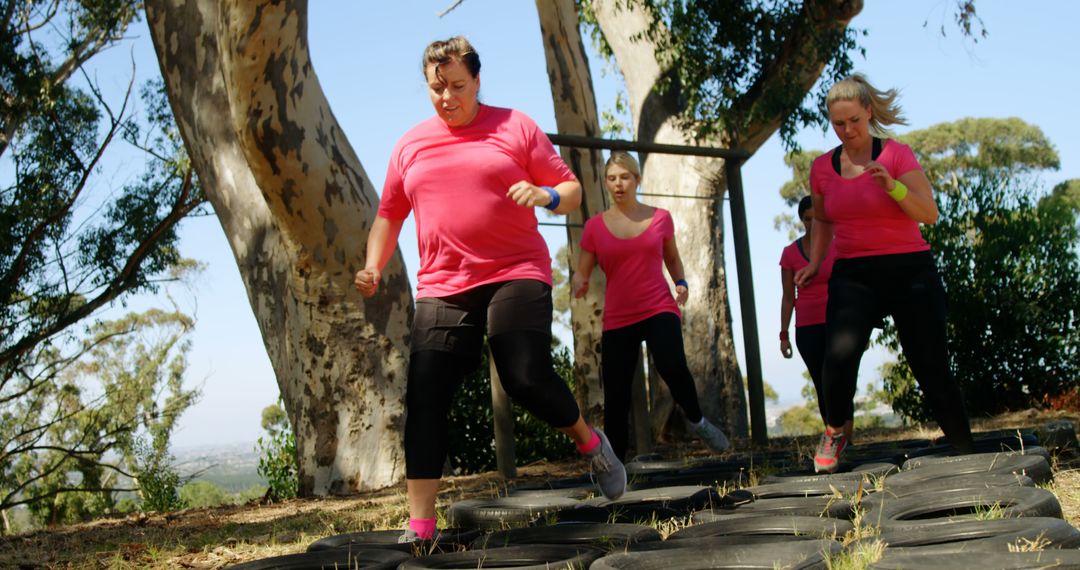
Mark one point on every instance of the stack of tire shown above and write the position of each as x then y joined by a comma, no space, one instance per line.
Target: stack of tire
912,504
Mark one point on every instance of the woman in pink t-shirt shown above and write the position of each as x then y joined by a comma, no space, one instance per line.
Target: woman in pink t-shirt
471,176
870,195
633,242
808,304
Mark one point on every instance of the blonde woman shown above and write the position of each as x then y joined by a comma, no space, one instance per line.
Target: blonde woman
869,197
633,242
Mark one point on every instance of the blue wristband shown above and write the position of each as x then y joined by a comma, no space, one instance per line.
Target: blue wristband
554,197
682,282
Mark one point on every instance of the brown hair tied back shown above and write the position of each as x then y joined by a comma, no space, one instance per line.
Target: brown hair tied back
440,53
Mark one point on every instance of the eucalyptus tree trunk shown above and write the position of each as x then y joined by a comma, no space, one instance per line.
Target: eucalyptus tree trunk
575,114
296,207
700,182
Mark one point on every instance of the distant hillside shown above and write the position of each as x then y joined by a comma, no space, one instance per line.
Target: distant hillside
232,467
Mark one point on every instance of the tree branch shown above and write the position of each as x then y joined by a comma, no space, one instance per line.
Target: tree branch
796,66
122,282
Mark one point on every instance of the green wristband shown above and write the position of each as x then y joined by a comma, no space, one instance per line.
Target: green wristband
899,191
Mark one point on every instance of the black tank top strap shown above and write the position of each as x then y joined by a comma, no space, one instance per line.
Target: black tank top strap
875,152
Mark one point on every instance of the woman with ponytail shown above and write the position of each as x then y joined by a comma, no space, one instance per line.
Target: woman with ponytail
869,196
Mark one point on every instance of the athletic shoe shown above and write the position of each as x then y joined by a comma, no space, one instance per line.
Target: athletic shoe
712,435
610,472
827,458
409,536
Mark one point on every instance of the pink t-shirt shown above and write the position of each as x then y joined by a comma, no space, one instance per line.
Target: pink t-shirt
634,267
810,301
866,220
455,181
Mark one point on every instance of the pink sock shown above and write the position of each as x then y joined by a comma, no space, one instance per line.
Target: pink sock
424,528
592,444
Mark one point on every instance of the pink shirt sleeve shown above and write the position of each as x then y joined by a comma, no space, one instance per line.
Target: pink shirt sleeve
666,224
588,236
545,166
394,204
903,160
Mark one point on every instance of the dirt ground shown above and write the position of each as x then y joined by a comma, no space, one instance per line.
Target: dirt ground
217,537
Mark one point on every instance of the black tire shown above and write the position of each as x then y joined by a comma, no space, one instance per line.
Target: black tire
949,455
980,481
576,493
805,488
505,511
601,535
982,536
449,540
848,472
983,561
531,557
831,507
800,555
767,525
372,558
1013,501
713,515
714,541
643,505
1033,466
997,442
694,476
581,481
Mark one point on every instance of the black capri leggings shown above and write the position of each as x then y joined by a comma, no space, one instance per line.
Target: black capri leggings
620,352
908,287
447,338
810,339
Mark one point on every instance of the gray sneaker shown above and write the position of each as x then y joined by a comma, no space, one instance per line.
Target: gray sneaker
408,536
712,436
610,472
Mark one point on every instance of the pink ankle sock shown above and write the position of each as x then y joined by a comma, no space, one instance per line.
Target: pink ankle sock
424,528
590,445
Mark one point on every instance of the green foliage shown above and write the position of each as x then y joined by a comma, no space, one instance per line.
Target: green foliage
472,436
71,430
1013,278
69,243
801,420
159,484
278,462
723,68
274,419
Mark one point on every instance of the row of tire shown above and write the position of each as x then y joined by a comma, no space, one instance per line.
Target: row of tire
928,509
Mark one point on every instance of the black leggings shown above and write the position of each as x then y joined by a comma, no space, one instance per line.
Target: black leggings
908,287
447,339
620,352
810,340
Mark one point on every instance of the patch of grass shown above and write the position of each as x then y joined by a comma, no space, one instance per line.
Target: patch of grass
857,556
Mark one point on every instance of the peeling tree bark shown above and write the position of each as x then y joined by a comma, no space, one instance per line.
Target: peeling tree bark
296,207
575,114
707,321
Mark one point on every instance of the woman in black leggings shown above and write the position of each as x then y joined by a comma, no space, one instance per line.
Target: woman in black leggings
808,305
633,242
870,195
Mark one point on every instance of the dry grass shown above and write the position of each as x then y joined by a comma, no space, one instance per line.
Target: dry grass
217,537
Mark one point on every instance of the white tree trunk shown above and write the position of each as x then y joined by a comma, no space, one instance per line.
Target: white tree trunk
296,207
699,227
575,114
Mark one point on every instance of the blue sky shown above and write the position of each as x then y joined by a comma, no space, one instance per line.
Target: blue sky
367,57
